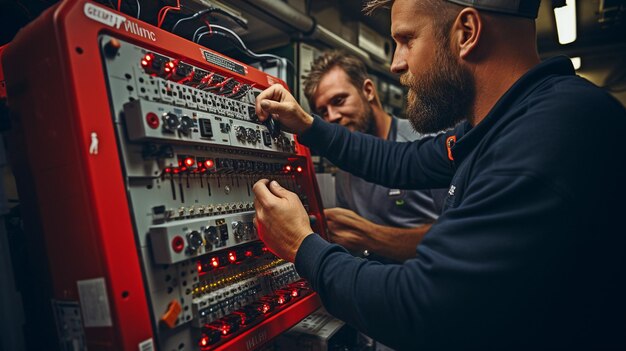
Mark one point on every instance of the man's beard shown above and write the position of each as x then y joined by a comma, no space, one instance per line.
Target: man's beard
366,123
441,97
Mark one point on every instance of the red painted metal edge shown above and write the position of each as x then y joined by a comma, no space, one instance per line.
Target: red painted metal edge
273,326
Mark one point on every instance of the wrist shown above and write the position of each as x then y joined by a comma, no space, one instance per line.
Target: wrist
297,244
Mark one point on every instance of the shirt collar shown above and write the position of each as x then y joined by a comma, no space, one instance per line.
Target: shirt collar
468,137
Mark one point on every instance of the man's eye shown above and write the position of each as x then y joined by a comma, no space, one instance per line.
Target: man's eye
338,101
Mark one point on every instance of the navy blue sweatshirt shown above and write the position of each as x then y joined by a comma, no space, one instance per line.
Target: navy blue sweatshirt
530,249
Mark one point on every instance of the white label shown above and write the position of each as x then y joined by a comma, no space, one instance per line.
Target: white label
103,16
146,345
94,302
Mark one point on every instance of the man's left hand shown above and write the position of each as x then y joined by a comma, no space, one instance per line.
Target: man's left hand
282,221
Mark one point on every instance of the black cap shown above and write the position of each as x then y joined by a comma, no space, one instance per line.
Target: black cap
522,8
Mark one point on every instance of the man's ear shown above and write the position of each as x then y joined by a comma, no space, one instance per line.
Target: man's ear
369,90
467,31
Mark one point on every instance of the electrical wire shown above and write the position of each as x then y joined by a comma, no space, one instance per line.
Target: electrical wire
138,9
242,46
164,10
207,11
119,5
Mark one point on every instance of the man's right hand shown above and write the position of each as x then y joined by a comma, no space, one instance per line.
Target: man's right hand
276,102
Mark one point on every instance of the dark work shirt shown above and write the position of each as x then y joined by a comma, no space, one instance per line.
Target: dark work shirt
529,251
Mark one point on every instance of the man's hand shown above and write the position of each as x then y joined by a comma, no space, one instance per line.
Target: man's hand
281,219
276,102
349,230
356,234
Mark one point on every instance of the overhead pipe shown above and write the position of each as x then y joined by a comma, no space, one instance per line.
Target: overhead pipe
308,27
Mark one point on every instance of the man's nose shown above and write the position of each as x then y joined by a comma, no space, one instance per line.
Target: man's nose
334,115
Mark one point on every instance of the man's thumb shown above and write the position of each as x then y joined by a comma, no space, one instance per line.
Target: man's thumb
278,190
271,106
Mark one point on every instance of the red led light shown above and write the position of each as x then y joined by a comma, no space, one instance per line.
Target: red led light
299,169
189,161
281,300
153,120
288,168
146,60
209,163
168,170
215,262
204,341
176,170
232,256
294,293
225,329
199,267
249,253
178,243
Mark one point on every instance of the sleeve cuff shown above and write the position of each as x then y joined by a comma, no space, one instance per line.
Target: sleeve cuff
317,136
307,257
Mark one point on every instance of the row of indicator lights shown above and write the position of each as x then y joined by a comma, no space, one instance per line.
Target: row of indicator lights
212,332
189,162
238,277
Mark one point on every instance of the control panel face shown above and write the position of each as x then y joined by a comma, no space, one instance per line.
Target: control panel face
191,148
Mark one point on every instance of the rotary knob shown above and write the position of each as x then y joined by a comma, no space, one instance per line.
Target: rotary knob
194,240
171,122
238,229
186,123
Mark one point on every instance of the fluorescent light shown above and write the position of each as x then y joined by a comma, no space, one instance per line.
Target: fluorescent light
566,22
576,62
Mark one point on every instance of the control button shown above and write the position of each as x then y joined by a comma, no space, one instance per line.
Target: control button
186,123
171,122
194,239
112,47
171,315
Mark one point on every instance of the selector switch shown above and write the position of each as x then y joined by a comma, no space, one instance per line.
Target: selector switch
238,230
186,123
171,122
194,241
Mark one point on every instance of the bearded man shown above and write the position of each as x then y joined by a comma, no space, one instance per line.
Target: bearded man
369,218
527,253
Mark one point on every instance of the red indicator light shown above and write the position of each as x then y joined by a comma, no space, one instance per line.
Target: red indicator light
204,341
146,60
294,292
178,243
169,67
249,253
232,257
199,267
288,168
215,262
225,329
153,120
281,300
264,249
265,308
189,161
168,170
209,163
299,169
176,170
